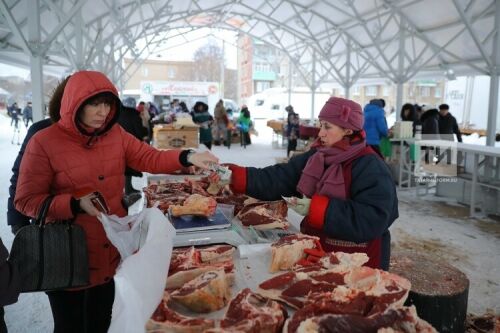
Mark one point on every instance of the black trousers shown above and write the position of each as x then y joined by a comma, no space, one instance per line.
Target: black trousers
3,327
83,311
292,146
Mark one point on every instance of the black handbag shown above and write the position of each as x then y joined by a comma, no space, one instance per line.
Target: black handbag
50,256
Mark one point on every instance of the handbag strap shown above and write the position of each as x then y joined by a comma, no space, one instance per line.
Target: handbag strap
42,214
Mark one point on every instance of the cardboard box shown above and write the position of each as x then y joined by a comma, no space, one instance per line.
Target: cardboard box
169,137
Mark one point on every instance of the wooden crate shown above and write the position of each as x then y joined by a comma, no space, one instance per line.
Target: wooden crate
167,137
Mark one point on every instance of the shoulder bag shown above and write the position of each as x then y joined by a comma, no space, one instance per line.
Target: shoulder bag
50,256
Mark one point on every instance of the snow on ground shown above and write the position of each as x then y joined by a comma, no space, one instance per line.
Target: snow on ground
431,225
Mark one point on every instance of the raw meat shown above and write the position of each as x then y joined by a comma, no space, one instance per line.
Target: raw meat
251,313
206,293
288,250
166,320
265,215
195,204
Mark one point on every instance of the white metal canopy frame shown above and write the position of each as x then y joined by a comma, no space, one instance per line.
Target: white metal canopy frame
326,40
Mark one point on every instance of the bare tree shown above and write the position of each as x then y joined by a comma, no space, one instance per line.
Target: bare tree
208,60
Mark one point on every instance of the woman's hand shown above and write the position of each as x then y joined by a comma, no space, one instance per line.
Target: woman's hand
203,160
87,206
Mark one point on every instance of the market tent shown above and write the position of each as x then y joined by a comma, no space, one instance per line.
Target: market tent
327,40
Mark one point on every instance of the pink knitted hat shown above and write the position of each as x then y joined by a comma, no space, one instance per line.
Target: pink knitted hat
343,112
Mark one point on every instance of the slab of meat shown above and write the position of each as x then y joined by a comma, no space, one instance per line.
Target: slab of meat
375,288
166,320
195,204
237,200
288,250
339,261
206,293
403,320
265,215
188,263
251,313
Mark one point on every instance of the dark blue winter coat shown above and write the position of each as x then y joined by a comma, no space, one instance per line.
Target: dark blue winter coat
14,217
366,215
375,124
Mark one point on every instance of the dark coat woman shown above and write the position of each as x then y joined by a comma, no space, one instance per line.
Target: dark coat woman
348,195
202,117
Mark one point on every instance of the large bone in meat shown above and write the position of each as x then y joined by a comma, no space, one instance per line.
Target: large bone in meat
195,204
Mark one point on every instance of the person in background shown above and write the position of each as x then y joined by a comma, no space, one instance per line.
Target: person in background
448,124
131,122
408,113
28,114
10,280
244,124
14,111
347,193
375,124
220,122
292,129
183,107
175,106
84,152
15,218
146,120
430,122
202,117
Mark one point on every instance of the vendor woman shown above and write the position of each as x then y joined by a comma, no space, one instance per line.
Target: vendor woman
345,189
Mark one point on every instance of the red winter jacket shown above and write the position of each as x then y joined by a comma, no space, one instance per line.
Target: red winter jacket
60,160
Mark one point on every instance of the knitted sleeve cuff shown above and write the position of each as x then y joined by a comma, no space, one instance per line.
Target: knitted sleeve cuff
238,178
183,157
317,211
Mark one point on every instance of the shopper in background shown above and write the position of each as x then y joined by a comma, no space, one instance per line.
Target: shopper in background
292,129
244,124
28,114
202,117
220,122
409,113
448,124
375,124
84,152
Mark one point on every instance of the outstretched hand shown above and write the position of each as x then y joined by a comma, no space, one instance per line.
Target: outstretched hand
203,160
300,205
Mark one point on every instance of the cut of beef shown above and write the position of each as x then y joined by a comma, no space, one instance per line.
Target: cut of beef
195,204
403,320
251,313
264,215
166,320
188,263
288,250
206,293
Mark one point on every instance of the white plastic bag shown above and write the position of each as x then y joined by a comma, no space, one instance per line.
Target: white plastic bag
141,277
127,233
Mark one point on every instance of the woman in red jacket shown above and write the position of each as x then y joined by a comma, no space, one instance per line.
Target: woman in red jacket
86,149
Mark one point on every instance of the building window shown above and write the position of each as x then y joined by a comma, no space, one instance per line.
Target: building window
355,90
386,91
171,72
371,90
437,92
262,85
425,91
145,71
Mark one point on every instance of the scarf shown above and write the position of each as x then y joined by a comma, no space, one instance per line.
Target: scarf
323,172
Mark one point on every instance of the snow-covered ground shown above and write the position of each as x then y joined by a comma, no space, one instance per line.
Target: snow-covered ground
431,225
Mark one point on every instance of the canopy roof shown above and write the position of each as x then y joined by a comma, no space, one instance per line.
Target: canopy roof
328,40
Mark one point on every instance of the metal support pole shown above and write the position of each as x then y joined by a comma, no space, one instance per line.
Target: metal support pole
79,40
494,84
399,91
313,85
222,71
347,85
289,81
36,59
